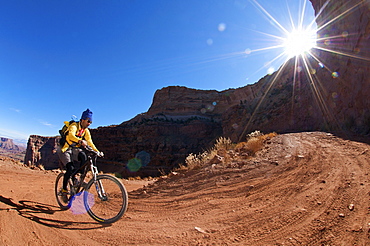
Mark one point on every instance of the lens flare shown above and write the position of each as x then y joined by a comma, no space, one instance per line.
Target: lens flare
221,27
77,205
300,41
335,75
134,165
210,41
270,70
144,157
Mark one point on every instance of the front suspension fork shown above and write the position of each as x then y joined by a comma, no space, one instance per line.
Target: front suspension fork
98,184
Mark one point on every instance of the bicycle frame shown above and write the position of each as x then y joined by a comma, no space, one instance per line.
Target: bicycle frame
89,164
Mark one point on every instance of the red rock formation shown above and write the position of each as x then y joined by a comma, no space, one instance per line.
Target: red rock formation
42,151
7,145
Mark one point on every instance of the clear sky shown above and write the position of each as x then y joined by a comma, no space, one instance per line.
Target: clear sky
58,58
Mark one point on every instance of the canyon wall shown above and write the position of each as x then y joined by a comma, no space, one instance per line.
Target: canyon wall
42,151
327,90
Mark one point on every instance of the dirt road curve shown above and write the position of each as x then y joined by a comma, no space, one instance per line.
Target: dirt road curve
302,189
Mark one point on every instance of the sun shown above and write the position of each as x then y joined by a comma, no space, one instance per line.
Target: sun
299,41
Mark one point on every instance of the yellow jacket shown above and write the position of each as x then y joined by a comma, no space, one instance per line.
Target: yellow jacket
74,138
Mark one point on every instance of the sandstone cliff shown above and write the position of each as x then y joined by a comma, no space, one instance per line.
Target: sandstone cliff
326,91
42,151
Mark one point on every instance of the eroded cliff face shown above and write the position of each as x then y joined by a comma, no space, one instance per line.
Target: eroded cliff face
177,101
328,91
42,151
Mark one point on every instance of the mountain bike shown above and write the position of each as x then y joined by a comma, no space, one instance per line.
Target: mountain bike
104,196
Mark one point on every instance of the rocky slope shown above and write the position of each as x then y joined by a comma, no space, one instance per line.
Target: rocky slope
326,91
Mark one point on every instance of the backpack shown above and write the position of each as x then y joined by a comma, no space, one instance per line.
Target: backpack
64,132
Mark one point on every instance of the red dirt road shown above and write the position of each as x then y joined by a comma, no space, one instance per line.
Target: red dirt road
301,189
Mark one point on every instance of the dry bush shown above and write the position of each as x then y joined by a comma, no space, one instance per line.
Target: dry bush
182,167
221,148
254,134
254,144
269,136
250,147
223,143
255,141
194,161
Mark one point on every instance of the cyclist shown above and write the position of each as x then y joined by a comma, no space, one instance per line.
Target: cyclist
78,137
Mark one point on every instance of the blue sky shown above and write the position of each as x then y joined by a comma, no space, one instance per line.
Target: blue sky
58,58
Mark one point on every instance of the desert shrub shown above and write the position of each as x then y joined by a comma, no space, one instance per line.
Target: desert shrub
181,167
254,143
254,134
250,147
222,143
268,136
194,161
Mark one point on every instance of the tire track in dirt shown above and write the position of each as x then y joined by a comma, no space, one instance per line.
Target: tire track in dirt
297,202
296,191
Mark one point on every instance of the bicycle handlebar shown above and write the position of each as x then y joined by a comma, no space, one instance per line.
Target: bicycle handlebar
92,152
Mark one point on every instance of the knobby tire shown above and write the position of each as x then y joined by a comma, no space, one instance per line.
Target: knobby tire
112,206
58,189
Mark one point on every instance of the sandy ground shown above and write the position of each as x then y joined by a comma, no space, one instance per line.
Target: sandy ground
302,189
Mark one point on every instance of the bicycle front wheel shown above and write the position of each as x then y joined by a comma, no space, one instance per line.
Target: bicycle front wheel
105,199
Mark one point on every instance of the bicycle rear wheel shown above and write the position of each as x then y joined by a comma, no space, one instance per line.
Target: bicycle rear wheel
105,199
58,191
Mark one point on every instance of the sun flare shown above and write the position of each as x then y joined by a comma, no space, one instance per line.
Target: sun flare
299,41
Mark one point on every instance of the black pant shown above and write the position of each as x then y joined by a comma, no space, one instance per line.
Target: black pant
71,167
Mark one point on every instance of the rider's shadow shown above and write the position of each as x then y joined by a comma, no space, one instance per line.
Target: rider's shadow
33,211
